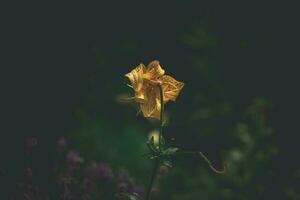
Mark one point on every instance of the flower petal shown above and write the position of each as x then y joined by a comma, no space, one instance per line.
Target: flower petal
154,70
151,107
136,77
140,96
171,88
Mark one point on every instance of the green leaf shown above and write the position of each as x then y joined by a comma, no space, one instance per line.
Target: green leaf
132,196
170,151
167,163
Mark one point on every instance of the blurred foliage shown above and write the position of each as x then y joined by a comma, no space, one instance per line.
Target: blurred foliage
121,149
204,118
247,157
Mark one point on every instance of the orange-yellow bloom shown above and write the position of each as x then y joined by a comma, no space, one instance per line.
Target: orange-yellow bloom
146,80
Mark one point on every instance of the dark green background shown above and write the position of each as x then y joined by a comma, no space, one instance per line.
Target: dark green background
64,67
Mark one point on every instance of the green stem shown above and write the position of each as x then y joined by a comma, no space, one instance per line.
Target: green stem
154,171
205,159
161,116
152,179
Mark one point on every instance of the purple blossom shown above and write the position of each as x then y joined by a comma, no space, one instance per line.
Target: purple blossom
73,158
99,172
122,187
91,172
139,189
123,176
105,172
124,181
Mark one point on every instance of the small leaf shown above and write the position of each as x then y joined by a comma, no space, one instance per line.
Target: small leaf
132,196
170,151
167,163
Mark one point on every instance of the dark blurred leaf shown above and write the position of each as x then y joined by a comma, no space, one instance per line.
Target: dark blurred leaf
133,196
167,163
170,151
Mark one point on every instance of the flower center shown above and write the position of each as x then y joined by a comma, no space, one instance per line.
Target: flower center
152,81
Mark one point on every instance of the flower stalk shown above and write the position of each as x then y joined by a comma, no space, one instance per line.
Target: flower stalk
154,171
161,115
205,159
156,164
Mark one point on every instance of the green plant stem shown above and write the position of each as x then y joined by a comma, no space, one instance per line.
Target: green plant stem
205,159
152,178
161,116
156,164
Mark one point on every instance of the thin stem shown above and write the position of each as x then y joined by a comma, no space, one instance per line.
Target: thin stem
154,171
161,115
205,159
152,178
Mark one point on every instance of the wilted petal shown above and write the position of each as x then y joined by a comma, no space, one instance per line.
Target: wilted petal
140,96
136,77
151,107
154,70
146,81
171,88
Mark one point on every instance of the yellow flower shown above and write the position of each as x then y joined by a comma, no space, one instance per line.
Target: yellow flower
146,80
